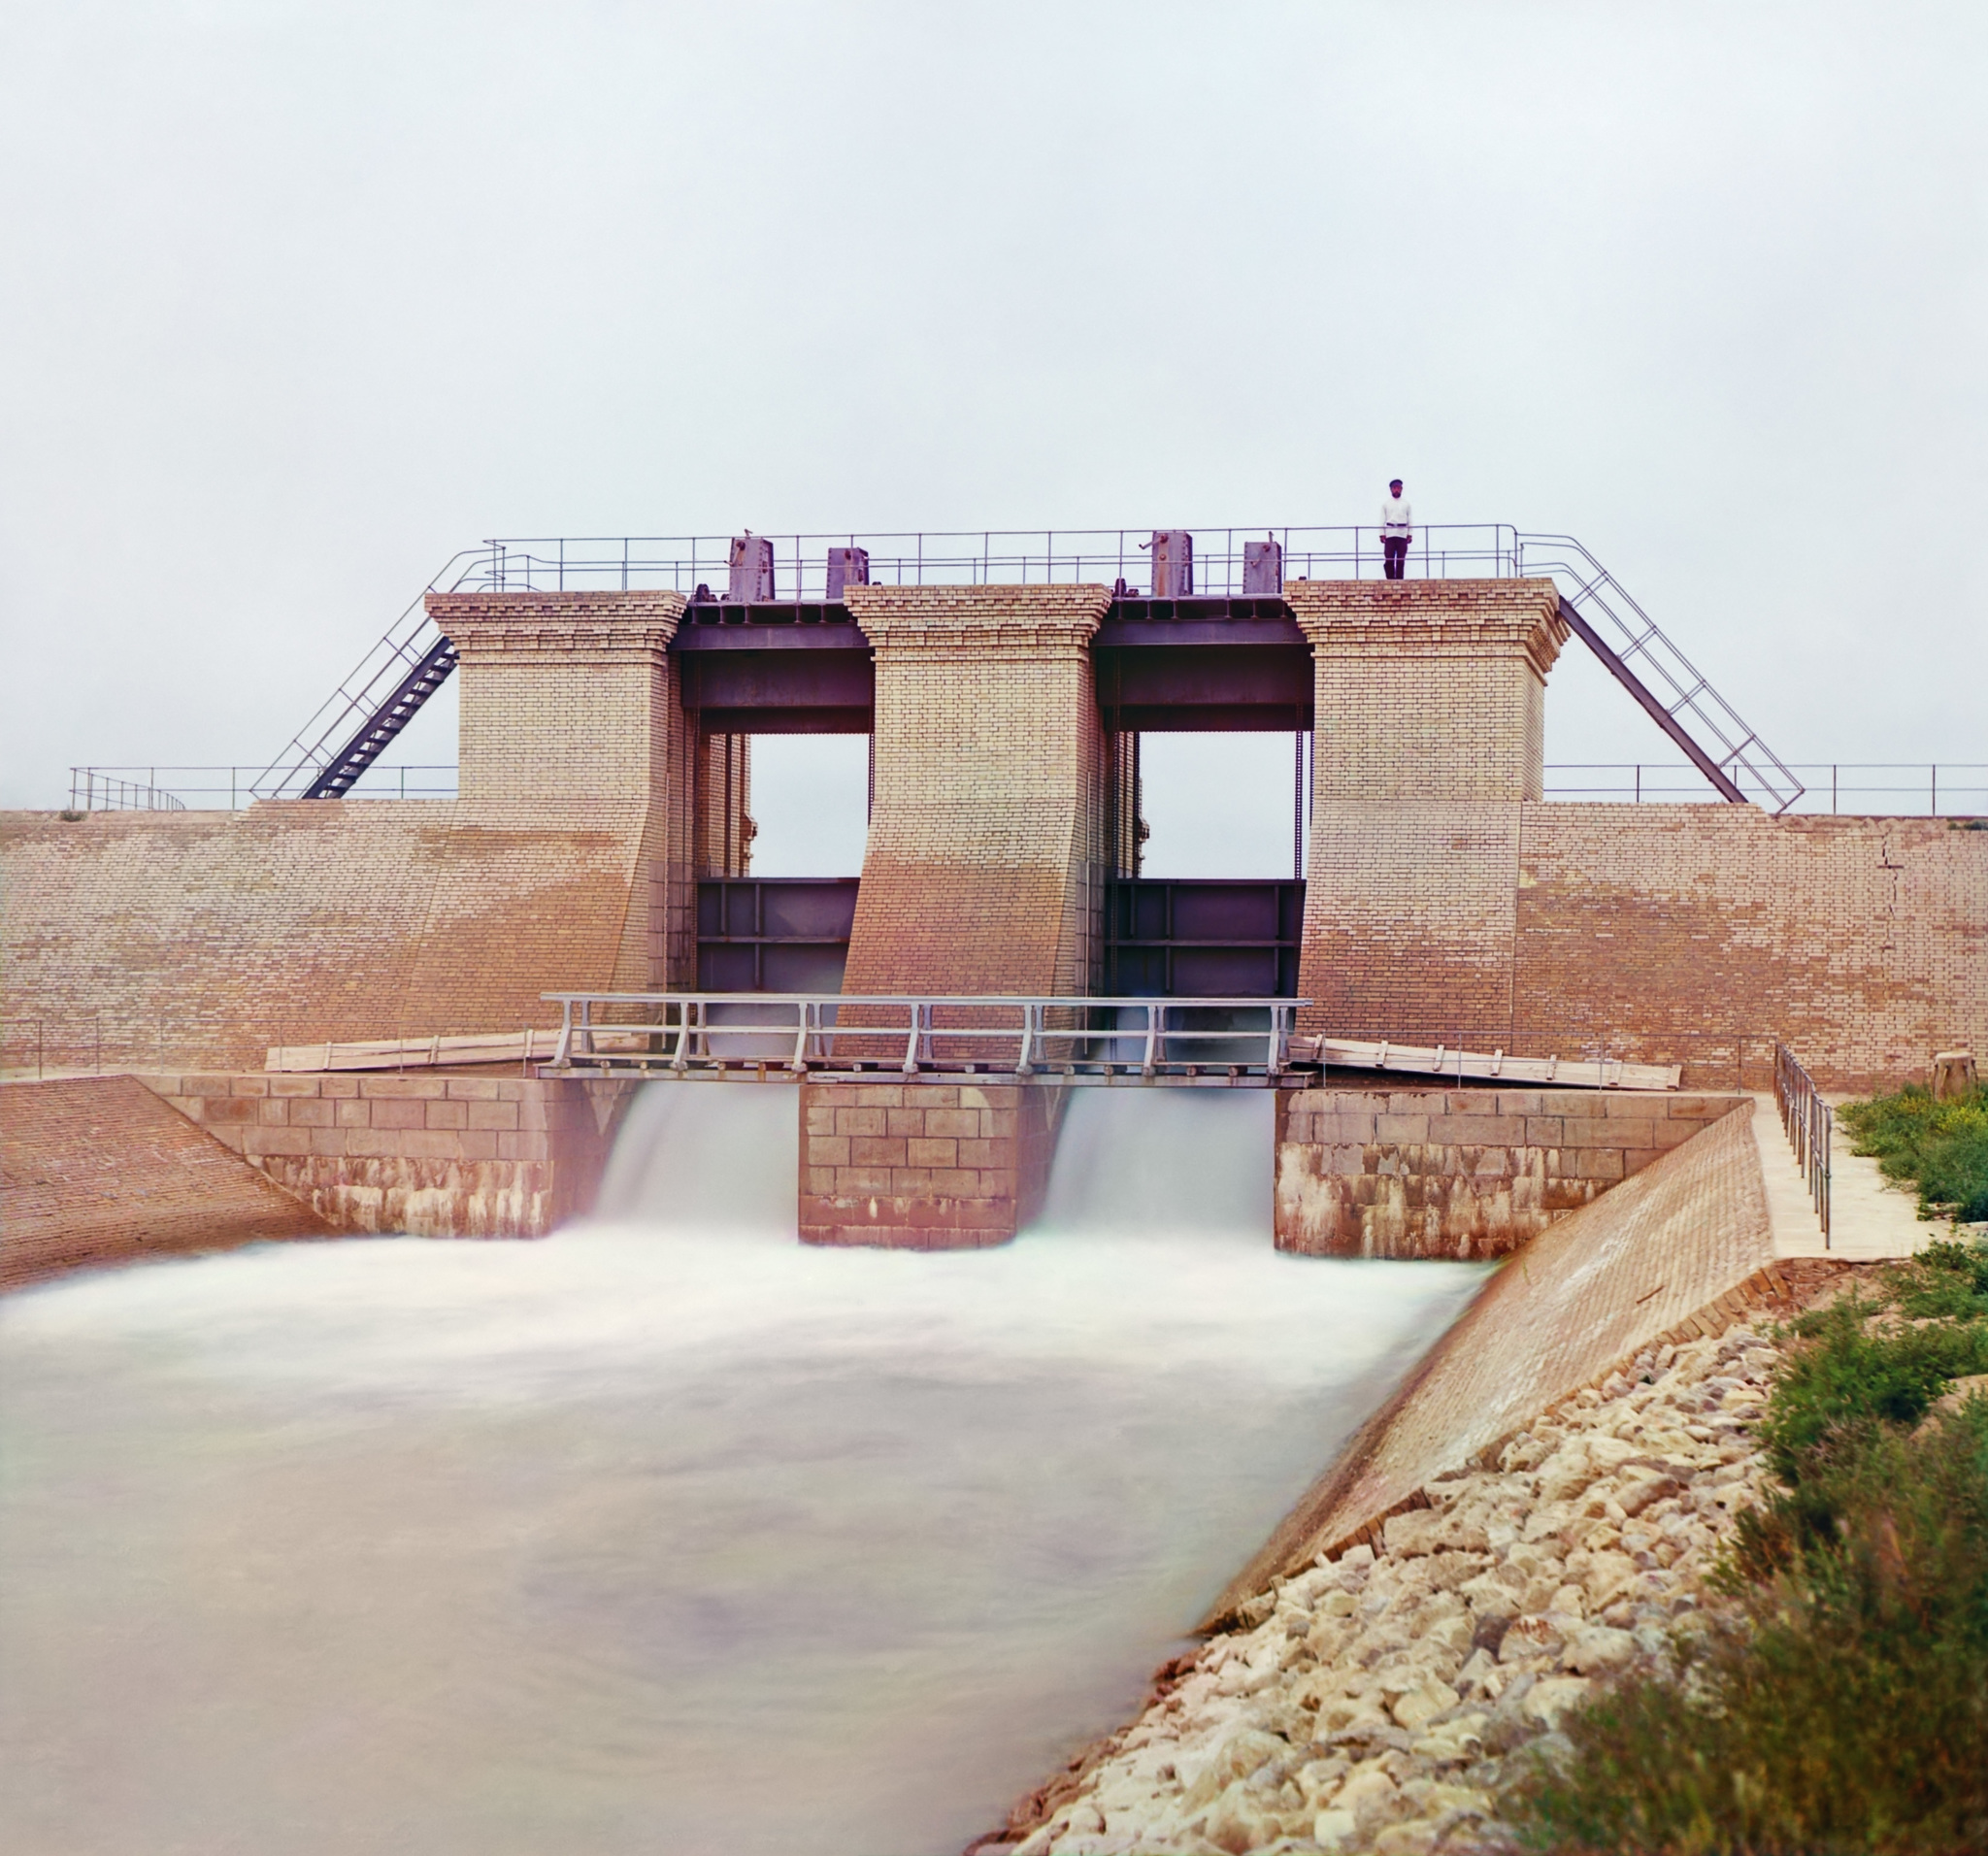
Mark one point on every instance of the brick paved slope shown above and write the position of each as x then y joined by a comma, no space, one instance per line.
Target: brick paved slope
98,1170
1586,1293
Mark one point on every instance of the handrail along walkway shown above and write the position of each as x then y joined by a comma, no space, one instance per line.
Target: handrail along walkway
798,1032
1809,1124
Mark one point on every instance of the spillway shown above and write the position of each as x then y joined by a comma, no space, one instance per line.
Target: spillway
666,1533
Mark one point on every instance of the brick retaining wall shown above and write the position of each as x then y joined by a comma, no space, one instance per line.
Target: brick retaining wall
1460,1173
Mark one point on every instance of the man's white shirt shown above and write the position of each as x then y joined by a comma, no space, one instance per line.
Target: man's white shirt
1395,516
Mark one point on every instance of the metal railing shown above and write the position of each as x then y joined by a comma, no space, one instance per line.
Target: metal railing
913,1034
1919,787
17,1036
230,788
107,789
1902,788
979,557
343,718
1634,647
1809,1122
399,672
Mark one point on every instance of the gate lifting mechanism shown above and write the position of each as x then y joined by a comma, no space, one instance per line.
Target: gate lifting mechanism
1059,1040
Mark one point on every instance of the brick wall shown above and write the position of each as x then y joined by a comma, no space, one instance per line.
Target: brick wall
924,1166
1429,691
1460,1173
201,939
572,699
1655,1253
434,1156
1448,903
98,1171
1701,934
1430,703
988,852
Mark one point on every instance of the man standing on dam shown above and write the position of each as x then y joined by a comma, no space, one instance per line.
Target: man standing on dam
1395,531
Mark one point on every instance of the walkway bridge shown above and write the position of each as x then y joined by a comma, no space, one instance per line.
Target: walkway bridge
1239,1041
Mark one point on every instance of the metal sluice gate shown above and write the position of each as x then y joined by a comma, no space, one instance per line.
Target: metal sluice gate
772,1036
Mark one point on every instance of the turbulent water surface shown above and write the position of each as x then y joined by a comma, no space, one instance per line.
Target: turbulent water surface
666,1535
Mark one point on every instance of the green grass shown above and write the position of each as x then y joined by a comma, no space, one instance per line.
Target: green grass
1939,1147
1841,1704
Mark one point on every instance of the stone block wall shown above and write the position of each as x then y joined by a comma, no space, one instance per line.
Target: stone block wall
988,845
1460,1173
431,1155
924,1166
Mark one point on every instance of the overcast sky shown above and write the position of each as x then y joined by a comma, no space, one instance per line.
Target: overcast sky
299,299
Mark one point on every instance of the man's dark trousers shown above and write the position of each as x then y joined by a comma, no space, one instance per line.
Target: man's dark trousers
1394,551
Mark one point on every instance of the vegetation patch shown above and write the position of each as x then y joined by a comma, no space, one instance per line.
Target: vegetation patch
1840,1702
1940,1149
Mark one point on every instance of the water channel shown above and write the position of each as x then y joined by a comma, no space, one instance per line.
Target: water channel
666,1534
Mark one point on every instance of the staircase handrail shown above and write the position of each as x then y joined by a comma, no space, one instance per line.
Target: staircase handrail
1602,599
350,709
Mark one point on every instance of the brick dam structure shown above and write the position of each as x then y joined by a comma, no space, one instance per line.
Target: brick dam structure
600,843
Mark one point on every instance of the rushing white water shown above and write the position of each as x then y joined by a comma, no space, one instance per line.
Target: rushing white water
666,1535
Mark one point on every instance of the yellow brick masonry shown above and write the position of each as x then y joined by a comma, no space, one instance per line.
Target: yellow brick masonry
204,937
572,699
1429,692
1706,932
1429,737
1460,1173
988,852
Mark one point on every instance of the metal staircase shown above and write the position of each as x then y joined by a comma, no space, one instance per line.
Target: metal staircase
1684,704
358,723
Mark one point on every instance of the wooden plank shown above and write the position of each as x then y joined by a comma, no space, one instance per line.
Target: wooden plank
1349,1053
414,1053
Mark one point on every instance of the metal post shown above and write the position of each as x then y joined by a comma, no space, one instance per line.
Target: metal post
1935,789
1298,807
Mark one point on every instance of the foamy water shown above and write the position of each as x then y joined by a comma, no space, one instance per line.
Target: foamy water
657,1536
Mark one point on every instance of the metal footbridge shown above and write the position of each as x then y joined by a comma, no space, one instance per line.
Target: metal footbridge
1078,1041
1216,602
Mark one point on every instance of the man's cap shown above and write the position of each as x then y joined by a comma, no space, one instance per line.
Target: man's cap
1394,483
